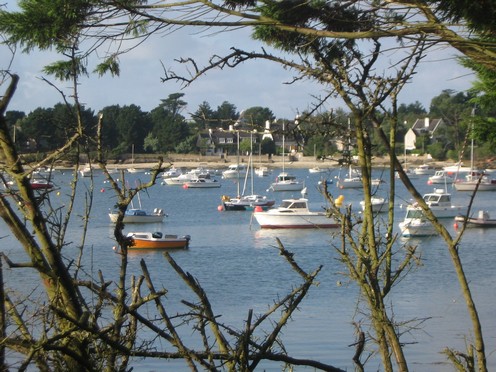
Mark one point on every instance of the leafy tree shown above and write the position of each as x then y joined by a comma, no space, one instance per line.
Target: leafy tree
226,115
38,126
204,117
268,147
151,143
132,126
169,126
255,117
110,135
454,109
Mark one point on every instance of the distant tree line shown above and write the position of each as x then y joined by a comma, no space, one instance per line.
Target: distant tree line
166,129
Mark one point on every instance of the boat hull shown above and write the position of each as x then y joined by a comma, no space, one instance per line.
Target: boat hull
471,186
138,216
202,185
350,183
147,241
482,220
136,219
245,203
267,220
287,186
414,228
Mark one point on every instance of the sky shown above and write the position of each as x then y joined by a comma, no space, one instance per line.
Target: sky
255,83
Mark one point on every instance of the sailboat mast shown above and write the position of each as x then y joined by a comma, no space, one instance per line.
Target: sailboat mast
350,169
250,163
283,146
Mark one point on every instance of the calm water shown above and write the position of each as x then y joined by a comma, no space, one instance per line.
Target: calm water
239,267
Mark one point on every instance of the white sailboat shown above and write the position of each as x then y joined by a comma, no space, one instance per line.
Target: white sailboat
353,180
285,181
475,179
246,202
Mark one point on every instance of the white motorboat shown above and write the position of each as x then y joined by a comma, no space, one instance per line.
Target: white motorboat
378,204
440,204
185,177
409,172
440,177
416,224
85,171
286,182
425,169
135,215
171,173
293,214
318,170
235,171
201,183
262,171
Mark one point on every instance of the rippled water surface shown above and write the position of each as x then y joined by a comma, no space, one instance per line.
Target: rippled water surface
239,267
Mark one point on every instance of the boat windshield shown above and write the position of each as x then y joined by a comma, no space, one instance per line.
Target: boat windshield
436,198
414,213
293,204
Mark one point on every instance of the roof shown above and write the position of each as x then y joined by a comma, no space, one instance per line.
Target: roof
426,125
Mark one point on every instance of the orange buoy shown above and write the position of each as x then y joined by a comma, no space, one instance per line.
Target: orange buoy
220,208
185,186
258,208
102,190
455,226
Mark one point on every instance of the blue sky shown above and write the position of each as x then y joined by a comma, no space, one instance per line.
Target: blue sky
255,83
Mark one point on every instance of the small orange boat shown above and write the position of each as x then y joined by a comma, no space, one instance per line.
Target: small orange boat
157,240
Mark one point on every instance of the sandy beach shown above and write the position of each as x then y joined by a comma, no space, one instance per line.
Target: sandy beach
276,162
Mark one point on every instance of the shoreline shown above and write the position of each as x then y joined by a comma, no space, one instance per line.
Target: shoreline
275,163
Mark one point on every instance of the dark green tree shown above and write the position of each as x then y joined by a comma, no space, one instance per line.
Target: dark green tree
130,124
169,126
13,120
226,115
455,110
204,117
255,117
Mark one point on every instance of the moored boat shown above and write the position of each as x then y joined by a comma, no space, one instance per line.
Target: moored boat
293,214
353,180
440,204
201,183
416,224
475,181
262,171
482,220
378,204
425,169
135,215
246,202
441,176
318,170
286,182
40,184
157,240
235,171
